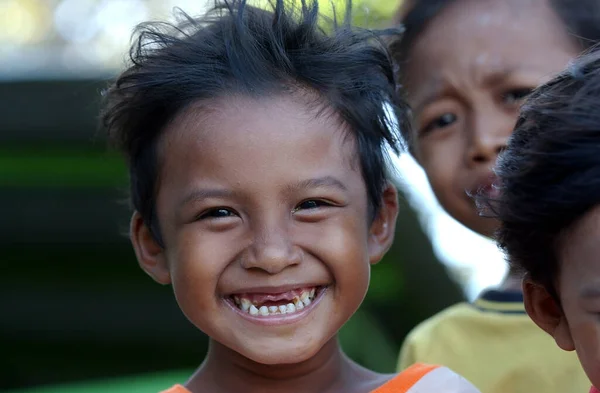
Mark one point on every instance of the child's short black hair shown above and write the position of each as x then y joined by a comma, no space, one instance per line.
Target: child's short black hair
550,171
239,49
581,20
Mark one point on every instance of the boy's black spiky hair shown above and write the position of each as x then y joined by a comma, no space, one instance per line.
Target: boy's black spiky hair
236,48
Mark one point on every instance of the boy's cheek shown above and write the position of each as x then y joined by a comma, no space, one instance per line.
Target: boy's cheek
586,334
439,166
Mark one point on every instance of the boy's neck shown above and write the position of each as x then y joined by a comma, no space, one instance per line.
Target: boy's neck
328,371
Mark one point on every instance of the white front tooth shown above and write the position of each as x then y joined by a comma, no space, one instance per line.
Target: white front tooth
312,293
299,306
282,309
246,304
303,295
263,310
253,310
290,308
306,301
273,309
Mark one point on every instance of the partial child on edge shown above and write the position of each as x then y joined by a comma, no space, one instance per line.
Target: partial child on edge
549,209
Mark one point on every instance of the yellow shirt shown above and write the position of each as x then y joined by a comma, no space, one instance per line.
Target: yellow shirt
495,345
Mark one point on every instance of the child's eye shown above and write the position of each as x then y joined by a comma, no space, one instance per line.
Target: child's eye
442,121
515,96
218,212
311,204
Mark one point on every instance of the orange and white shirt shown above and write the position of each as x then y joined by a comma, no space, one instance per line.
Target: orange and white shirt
419,378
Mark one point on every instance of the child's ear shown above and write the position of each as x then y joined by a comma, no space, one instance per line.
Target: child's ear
547,313
149,253
381,233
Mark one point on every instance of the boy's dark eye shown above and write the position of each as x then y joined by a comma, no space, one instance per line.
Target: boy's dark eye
442,121
219,212
514,97
311,204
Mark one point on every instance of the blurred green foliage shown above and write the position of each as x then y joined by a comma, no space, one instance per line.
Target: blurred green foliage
51,166
365,13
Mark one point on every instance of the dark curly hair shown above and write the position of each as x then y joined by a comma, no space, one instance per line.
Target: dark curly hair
239,49
581,19
550,172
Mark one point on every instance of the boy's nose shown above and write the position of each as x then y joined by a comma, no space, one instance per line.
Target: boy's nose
272,251
488,137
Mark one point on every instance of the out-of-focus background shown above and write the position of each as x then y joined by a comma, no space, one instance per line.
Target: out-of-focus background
76,313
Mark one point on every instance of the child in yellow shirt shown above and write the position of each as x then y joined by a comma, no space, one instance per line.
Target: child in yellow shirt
466,66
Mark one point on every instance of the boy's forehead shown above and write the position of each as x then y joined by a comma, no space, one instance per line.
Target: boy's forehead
252,127
484,36
583,236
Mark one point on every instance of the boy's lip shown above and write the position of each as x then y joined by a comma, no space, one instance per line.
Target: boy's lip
486,186
280,319
274,290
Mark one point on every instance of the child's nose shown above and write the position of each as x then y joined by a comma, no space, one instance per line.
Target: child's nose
272,251
488,137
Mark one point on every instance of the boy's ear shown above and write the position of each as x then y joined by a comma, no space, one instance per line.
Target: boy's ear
547,313
383,227
149,253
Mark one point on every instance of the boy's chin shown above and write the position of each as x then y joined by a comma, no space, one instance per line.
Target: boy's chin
484,226
487,229
476,218
280,352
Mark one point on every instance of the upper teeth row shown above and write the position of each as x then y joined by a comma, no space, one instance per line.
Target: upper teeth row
298,304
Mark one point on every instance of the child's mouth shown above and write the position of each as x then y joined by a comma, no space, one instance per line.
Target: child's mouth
268,304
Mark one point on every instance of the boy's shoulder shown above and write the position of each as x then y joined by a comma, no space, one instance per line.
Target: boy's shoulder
427,378
462,318
446,319
463,325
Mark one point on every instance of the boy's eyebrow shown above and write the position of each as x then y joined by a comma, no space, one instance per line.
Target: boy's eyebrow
432,91
499,75
590,292
199,194
325,181
437,87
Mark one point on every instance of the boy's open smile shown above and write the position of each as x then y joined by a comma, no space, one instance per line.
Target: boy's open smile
276,306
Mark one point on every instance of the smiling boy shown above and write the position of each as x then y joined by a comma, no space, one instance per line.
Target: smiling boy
257,145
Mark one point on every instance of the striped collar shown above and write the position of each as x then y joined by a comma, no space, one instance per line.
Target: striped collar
504,302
